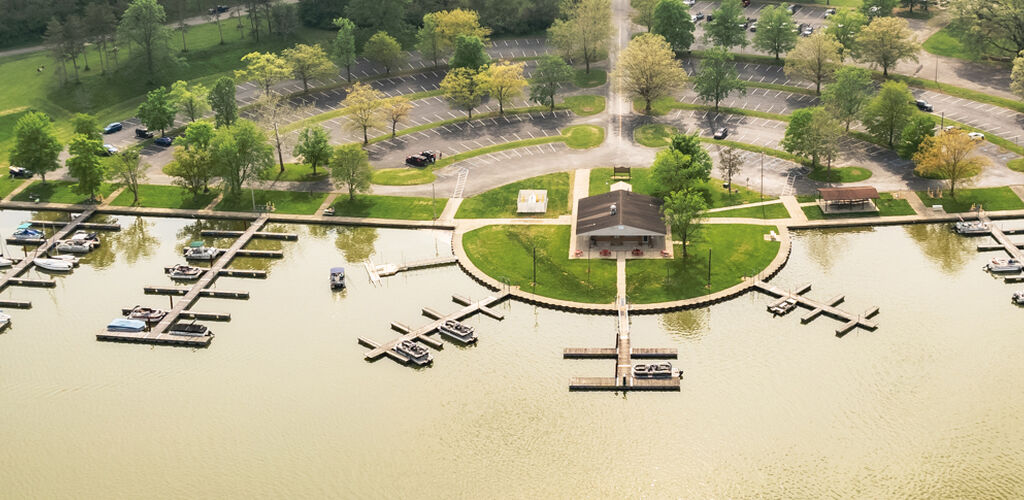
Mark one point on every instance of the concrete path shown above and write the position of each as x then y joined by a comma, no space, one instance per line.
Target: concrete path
793,207
327,203
915,202
620,275
450,209
580,190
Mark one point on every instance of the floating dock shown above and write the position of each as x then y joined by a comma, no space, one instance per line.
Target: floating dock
420,334
216,233
828,308
373,270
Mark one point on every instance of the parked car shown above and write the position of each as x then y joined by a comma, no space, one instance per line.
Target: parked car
690,3
792,8
220,9
721,133
829,13
109,150
164,141
113,127
698,16
744,24
753,27
874,11
19,173
709,18
923,105
417,160
806,30
431,156
978,136
143,133
746,3
949,128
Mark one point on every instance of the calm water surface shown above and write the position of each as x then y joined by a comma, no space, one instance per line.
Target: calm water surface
282,403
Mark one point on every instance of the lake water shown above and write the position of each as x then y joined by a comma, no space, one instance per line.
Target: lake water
282,403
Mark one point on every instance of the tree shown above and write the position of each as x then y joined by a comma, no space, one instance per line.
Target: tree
345,45
55,39
384,50
551,73
951,155
263,69
197,136
350,165
143,24
464,88
775,33
430,41
157,111
813,133
86,125
469,53
911,3
191,100
672,21
729,163
504,82
396,109
100,25
725,29
888,112
1017,77
991,26
131,171
845,25
885,42
313,147
192,167
717,77
363,102
85,166
846,96
35,144
285,18
920,127
436,39
648,70
308,62
814,58
643,12
240,154
681,167
874,9
321,13
585,30
374,15
684,213
222,101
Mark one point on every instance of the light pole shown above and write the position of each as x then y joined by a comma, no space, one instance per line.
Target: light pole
762,176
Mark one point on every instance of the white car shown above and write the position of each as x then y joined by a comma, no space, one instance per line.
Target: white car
978,136
690,2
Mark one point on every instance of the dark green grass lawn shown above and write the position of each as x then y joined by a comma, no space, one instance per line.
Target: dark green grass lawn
285,202
8,184
389,207
998,198
501,202
299,172
714,194
59,192
165,197
737,250
839,174
595,78
506,254
769,211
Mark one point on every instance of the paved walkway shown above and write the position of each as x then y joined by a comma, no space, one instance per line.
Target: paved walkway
793,207
620,275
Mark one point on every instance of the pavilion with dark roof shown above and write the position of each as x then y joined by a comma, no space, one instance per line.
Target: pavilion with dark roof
849,199
618,218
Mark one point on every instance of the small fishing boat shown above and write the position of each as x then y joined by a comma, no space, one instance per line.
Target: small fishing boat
5,320
5,262
415,352
126,325
971,227
189,330
25,232
66,258
53,264
147,314
656,370
1004,266
782,308
457,331
84,236
1018,297
197,250
337,278
184,272
77,245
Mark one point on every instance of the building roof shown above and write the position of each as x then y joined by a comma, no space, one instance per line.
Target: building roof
532,201
631,210
848,193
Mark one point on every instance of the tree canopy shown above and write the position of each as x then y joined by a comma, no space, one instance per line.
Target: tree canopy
725,29
647,69
350,166
846,96
775,33
717,77
308,62
952,156
504,82
35,144
888,112
551,73
814,58
885,42
464,88
584,31
383,49
672,21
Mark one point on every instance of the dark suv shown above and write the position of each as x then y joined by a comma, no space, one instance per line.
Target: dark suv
19,173
923,105
417,160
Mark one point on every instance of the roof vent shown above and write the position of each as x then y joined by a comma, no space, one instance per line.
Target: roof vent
614,209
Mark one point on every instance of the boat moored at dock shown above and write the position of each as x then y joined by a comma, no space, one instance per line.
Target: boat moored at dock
197,250
25,232
782,308
184,272
80,242
147,314
415,352
1004,266
457,331
126,325
654,370
60,265
972,227
189,330
1018,297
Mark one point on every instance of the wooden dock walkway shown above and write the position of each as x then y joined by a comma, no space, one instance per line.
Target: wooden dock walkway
420,334
159,334
828,308
373,270
998,234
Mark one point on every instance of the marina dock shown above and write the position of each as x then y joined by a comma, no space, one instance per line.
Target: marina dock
375,274
828,308
420,334
999,235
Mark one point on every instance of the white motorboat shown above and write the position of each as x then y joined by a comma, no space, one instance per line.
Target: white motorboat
198,250
457,331
126,325
1018,297
184,272
1004,266
147,314
53,264
5,320
77,246
337,278
415,352
25,232
66,258
5,262
971,227
656,370
783,308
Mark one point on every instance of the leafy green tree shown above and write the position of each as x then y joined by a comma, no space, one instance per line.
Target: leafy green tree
143,24
643,12
469,53
313,147
874,9
584,31
672,21
885,42
363,103
952,156
682,167
308,62
717,77
378,15
222,101
396,109
920,127
700,161
684,212
775,33
383,49
198,136
1017,77
814,58
321,13
86,125
847,95
35,144
158,110
991,26
264,69
910,4
648,70
191,100
845,25
191,169
504,82
436,39
350,166
285,19
888,112
430,41
130,170
464,88
240,154
725,30
344,45
85,166
812,133
551,74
